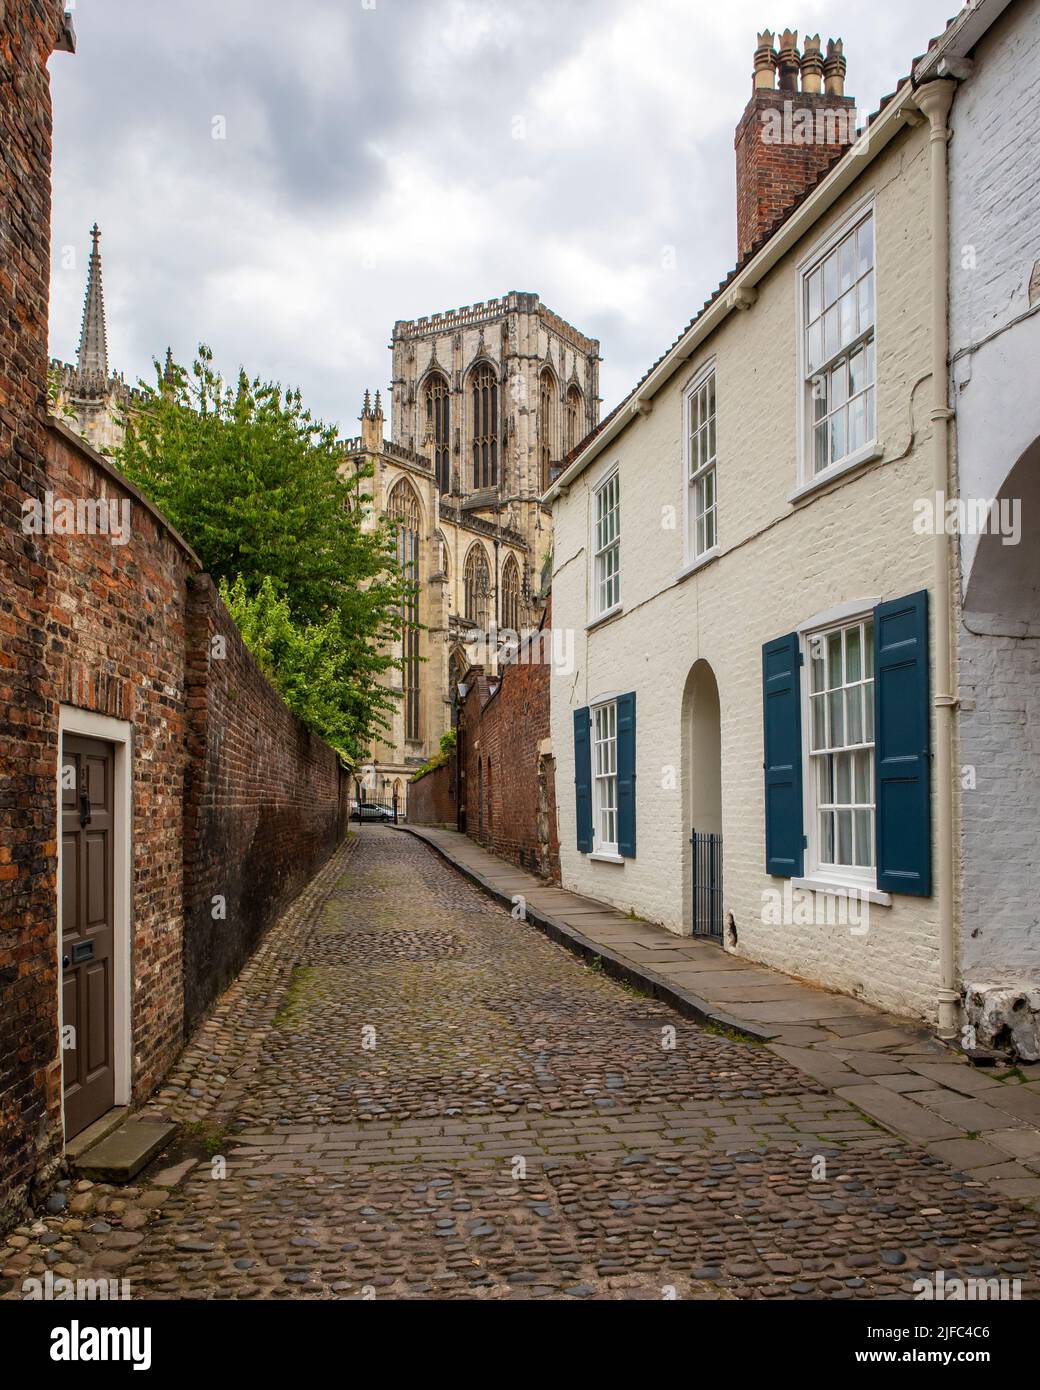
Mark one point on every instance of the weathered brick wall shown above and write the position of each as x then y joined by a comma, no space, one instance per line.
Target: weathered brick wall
265,804
117,648
30,1073
509,770
103,627
431,800
773,175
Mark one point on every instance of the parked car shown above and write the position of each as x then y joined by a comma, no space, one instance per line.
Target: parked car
369,810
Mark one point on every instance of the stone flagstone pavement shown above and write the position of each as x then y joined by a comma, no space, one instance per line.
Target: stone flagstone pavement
409,1094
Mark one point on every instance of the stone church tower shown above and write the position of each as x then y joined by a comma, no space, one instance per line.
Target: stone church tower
486,402
93,400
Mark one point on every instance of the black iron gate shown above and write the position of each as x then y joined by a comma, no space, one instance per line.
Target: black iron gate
707,885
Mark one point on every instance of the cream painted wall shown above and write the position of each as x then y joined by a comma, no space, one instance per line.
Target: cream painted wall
780,564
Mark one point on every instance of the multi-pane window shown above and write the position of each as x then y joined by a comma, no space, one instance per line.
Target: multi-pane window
839,349
437,423
703,522
547,427
511,596
604,777
841,745
485,426
477,584
607,546
574,414
403,510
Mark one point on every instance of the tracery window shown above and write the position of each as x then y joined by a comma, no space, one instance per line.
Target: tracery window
403,510
438,418
547,427
484,384
477,585
511,595
575,433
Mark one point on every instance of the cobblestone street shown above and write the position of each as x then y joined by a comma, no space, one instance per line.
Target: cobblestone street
401,1050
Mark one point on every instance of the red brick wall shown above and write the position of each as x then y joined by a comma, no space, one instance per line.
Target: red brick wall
266,802
30,1075
431,800
117,648
771,177
508,774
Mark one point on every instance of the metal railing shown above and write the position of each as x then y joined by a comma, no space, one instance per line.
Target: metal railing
375,806
707,885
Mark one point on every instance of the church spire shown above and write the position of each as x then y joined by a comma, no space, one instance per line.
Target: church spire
92,365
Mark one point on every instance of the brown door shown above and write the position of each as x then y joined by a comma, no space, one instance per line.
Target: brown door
87,929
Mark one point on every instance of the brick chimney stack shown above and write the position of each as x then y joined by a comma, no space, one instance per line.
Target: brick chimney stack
789,133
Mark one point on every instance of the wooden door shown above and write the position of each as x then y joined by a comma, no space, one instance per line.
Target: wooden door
87,929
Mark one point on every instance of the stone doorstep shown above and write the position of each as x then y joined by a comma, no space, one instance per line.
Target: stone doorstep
93,1134
123,1152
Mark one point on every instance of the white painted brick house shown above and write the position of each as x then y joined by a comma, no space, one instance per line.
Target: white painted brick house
995,390
763,638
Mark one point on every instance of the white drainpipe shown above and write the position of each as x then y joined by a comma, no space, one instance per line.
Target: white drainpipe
934,99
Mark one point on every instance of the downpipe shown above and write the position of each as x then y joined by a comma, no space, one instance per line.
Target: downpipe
934,100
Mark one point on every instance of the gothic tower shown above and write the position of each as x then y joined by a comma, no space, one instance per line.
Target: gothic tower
495,395
90,398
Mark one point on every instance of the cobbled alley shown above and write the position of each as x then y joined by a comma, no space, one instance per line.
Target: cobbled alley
409,1094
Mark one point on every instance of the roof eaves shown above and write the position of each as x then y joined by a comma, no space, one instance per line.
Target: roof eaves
586,450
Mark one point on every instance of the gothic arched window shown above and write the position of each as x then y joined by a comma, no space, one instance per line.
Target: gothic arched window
511,595
485,426
575,432
403,511
437,423
547,426
478,587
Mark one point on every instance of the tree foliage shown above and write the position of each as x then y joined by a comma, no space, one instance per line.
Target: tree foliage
257,488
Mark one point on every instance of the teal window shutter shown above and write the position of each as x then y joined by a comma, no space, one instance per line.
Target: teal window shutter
902,755
782,727
626,774
583,778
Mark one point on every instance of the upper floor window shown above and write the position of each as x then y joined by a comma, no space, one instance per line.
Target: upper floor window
403,510
607,546
840,773
575,432
484,384
477,583
838,357
511,595
437,425
547,425
702,521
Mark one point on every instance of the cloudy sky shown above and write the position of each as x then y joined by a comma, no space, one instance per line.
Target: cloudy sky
384,159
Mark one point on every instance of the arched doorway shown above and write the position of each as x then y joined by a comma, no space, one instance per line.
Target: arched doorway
702,803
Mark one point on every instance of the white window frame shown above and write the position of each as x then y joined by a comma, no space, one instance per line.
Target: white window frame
807,478
598,608
819,873
693,556
604,784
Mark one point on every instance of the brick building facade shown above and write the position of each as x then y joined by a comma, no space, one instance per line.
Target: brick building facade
500,784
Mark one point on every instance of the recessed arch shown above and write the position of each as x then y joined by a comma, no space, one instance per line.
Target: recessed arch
477,586
1002,596
435,394
548,424
575,417
510,605
701,784
405,515
483,391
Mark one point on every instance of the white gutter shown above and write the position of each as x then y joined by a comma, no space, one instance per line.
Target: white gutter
740,293
947,58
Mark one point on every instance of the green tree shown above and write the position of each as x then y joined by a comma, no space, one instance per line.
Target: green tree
256,486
